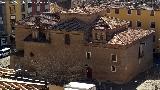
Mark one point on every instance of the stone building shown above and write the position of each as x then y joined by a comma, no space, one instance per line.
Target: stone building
106,45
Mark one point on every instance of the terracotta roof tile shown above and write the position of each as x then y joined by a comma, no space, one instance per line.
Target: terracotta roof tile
104,23
129,36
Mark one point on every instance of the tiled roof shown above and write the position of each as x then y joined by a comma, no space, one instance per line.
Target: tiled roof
30,21
104,23
149,84
129,36
88,9
5,71
85,10
130,6
71,25
9,84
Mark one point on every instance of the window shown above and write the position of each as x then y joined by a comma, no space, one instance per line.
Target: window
138,12
88,55
130,24
96,36
12,9
117,11
13,17
12,22
129,11
38,8
29,5
108,10
23,8
67,39
101,36
152,25
139,24
114,57
152,13
113,68
141,50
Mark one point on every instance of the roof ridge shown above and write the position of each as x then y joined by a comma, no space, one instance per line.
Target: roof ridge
119,38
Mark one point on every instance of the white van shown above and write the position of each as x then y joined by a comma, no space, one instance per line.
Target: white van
79,86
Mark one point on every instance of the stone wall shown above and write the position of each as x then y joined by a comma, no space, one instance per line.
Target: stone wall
56,58
21,34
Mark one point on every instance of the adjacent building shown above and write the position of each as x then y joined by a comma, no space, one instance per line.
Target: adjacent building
16,10
13,13
83,41
140,17
2,26
37,6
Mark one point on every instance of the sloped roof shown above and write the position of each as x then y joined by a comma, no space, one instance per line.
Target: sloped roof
9,84
73,24
129,36
45,19
85,10
104,23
